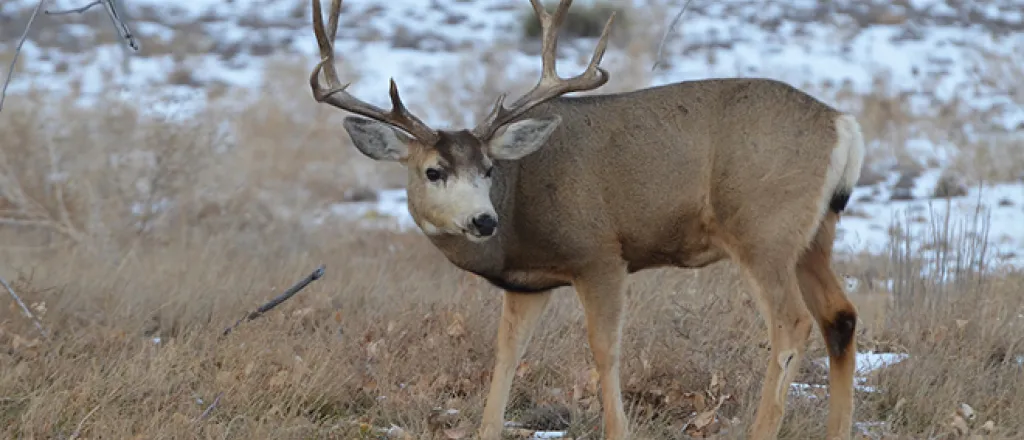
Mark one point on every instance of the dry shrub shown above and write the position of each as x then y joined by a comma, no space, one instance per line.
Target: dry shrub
584,20
112,177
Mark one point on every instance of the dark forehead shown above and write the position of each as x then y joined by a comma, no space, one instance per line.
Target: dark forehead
459,149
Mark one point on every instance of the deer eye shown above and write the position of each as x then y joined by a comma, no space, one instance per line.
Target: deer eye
489,172
434,174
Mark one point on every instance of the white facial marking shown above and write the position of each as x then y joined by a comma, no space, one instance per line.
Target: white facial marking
448,206
465,198
428,227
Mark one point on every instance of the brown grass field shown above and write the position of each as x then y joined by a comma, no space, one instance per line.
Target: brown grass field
394,335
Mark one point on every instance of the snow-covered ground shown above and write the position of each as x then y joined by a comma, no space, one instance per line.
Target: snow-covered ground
928,49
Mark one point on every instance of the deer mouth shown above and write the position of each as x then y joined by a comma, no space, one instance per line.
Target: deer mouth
475,236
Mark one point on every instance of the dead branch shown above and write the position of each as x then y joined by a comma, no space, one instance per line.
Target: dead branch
24,308
73,11
119,25
661,46
319,272
17,51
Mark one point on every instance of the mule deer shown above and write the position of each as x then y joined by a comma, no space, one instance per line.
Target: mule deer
557,191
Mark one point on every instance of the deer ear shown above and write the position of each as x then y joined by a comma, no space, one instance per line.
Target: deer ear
518,139
377,140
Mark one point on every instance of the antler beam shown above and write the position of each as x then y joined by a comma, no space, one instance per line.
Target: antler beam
334,92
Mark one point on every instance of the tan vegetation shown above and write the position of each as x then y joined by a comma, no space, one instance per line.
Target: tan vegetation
393,332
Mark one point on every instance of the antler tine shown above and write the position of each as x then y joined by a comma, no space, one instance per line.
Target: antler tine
549,25
550,85
335,94
333,20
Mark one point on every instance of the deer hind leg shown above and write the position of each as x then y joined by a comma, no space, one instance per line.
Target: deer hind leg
519,317
837,319
602,292
789,326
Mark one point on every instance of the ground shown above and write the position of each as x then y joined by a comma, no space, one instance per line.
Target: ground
148,202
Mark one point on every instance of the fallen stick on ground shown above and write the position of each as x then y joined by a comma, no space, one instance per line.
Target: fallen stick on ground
319,272
210,408
24,308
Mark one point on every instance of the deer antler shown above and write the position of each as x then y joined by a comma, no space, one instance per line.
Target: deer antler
335,94
550,84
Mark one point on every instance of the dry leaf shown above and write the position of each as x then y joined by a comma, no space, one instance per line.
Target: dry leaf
717,383
988,427
961,324
373,348
455,434
699,403
18,342
299,313
674,396
444,421
523,369
959,425
180,418
703,419
300,368
279,379
457,327
706,422
397,433
370,385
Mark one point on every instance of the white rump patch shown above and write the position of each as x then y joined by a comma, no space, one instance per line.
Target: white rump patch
849,151
845,163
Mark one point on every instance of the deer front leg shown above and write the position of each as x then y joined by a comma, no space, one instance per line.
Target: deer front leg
519,316
602,292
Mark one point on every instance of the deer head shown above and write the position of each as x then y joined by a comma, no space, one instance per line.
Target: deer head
450,172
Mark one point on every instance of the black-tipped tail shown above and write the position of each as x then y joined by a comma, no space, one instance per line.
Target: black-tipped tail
840,198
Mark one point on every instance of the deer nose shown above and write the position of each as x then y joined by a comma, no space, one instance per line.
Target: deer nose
485,224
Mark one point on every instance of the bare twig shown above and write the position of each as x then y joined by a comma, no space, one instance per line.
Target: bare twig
24,308
210,408
73,11
17,51
661,46
119,25
319,272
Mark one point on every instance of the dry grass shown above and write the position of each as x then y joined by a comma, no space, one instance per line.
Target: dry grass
120,228
368,345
